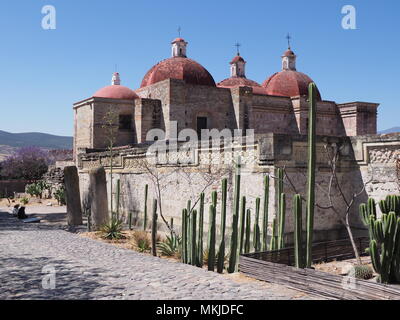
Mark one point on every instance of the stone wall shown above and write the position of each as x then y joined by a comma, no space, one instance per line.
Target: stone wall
364,159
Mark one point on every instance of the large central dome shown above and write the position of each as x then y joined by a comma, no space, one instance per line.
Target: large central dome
178,67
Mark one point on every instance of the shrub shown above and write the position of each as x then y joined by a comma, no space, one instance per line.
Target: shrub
24,200
59,194
142,241
112,230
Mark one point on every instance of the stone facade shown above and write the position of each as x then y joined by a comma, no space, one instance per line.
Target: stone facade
369,160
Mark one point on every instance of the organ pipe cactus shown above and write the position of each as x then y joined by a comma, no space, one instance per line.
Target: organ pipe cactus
242,223
154,229
390,204
200,235
265,213
256,229
282,218
274,238
146,192
298,232
189,232
248,232
193,238
118,196
386,261
312,97
184,236
235,219
211,238
221,250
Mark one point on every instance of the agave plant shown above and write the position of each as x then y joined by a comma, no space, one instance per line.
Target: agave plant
112,230
170,246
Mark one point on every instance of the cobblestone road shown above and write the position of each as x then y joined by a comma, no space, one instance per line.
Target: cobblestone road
88,269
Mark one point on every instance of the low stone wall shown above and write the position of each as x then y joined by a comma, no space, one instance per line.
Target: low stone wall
9,187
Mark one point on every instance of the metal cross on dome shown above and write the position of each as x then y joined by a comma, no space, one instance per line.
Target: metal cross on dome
179,31
237,45
288,37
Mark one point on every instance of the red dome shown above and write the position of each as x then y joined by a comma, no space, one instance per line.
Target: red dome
237,58
116,92
178,68
288,83
237,82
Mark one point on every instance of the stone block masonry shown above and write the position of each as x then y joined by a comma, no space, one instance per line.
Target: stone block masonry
363,159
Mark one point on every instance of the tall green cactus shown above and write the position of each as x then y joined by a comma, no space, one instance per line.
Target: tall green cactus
248,232
282,218
242,224
265,214
200,240
256,229
211,238
184,236
274,238
298,232
221,250
118,197
386,260
154,229
146,192
312,97
235,219
193,239
390,204
189,232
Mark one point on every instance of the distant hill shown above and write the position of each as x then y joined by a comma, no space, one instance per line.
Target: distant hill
37,139
10,142
391,130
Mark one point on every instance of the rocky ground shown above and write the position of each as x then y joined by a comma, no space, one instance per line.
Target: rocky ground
35,256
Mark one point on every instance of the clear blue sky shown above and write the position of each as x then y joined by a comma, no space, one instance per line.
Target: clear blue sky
45,71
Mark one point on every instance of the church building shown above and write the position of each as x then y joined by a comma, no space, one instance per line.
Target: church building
182,90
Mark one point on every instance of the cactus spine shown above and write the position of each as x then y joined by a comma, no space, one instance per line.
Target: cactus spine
221,250
154,229
265,213
146,192
282,218
235,219
211,238
256,229
200,240
248,232
298,244
312,97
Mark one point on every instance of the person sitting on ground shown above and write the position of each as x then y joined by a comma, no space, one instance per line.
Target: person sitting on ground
21,213
15,210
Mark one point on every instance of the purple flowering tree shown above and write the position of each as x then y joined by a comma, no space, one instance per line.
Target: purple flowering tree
28,163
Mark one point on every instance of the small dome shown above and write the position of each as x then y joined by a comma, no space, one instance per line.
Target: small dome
116,92
288,83
288,53
178,68
237,59
237,82
178,40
